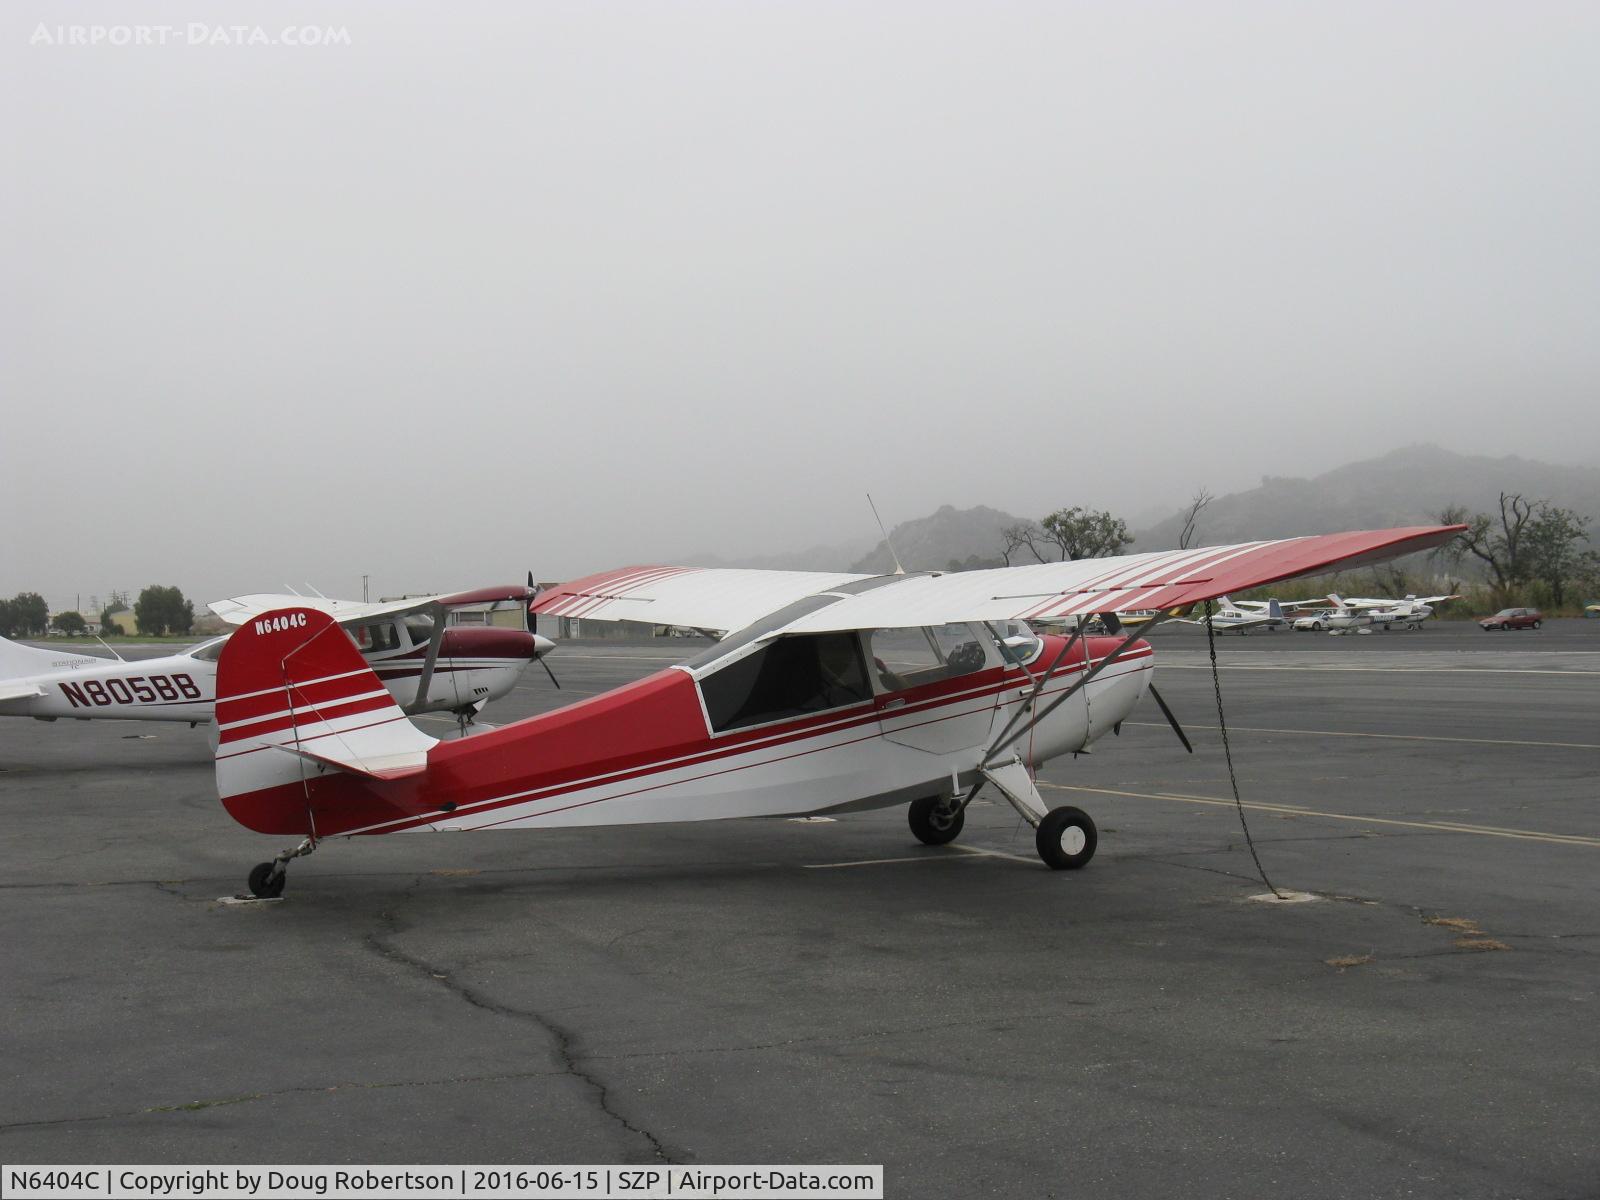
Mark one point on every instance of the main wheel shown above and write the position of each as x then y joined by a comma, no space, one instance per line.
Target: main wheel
931,825
1066,838
263,885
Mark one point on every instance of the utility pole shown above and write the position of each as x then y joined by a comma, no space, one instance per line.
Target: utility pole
364,579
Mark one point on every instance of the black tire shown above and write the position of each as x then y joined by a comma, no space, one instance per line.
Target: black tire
1536,624
1066,838
930,826
262,885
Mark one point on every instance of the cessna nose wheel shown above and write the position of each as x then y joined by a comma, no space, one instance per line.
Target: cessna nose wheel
933,823
1066,838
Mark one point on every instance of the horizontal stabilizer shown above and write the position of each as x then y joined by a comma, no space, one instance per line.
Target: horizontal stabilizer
378,766
20,691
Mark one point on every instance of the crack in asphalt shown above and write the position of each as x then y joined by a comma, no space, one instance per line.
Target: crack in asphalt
564,1038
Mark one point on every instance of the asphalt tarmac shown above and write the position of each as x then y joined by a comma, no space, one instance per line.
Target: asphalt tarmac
777,991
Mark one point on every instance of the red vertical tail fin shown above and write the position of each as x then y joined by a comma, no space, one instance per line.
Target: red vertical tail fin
294,698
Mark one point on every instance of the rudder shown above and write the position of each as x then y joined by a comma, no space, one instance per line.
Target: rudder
294,698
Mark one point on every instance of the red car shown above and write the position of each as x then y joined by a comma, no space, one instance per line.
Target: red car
1514,618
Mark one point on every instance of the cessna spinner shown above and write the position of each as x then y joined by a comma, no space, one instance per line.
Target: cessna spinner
423,665
834,693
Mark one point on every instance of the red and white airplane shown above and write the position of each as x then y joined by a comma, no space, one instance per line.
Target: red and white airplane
833,693
424,665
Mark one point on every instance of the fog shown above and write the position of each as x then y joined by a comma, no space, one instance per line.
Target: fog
564,286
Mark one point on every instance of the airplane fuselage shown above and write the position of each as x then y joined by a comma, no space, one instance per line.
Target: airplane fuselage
475,664
652,751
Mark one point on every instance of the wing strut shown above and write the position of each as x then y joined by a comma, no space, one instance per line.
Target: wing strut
432,659
1003,777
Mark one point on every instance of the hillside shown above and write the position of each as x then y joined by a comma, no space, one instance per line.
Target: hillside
1405,487
931,543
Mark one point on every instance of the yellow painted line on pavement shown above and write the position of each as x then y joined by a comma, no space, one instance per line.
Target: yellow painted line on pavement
1531,835
878,862
988,853
1394,737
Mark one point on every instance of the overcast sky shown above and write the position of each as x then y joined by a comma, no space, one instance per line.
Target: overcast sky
566,286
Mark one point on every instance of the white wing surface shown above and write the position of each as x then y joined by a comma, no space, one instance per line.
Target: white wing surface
1170,579
725,599
245,608
693,597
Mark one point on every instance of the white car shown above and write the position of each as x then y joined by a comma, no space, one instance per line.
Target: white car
1315,621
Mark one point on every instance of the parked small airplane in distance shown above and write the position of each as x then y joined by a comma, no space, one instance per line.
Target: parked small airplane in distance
1409,613
833,693
1241,616
1345,616
424,665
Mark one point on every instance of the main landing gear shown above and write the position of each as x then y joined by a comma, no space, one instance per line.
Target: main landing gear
935,820
1065,837
267,879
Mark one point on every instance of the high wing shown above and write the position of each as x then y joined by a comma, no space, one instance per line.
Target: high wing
720,598
1165,580
732,599
244,608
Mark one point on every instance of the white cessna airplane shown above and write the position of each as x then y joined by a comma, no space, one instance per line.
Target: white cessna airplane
1359,613
425,666
1409,613
1241,616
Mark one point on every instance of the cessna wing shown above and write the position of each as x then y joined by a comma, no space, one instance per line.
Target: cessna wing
1165,580
346,612
817,602
721,598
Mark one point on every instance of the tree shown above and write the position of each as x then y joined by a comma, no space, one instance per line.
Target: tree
1025,535
1200,499
24,615
162,610
1076,532
1553,543
117,603
1526,540
71,623
1497,542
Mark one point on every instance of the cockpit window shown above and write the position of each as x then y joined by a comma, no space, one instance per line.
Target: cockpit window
420,629
1022,644
908,658
789,677
208,651
384,636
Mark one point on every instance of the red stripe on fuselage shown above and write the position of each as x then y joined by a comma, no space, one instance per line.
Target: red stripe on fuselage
644,728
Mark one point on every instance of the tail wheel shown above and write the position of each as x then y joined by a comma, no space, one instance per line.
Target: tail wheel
1066,838
262,883
932,823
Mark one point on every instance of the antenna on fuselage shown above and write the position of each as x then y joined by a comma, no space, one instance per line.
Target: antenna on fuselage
899,568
